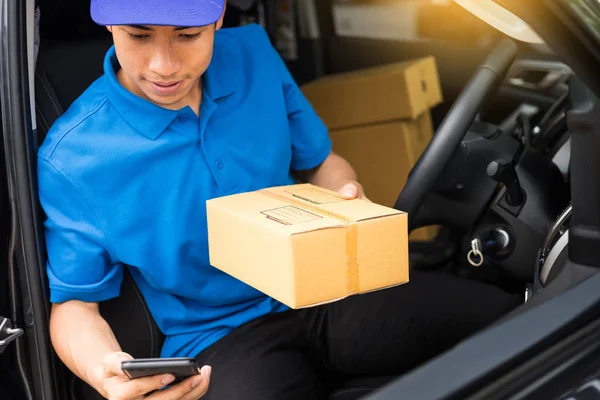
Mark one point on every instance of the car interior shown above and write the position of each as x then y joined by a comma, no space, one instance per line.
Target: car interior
503,199
71,39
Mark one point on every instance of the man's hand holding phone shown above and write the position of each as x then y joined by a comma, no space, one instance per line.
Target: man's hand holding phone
118,386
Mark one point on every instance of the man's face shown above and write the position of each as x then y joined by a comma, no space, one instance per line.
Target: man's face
163,63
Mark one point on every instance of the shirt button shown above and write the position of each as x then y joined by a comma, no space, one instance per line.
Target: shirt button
219,164
183,118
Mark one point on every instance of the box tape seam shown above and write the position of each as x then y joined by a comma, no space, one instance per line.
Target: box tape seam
351,229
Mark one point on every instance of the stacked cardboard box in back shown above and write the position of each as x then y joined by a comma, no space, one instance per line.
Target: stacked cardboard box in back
379,120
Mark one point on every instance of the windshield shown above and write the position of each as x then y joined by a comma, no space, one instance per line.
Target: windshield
501,19
589,12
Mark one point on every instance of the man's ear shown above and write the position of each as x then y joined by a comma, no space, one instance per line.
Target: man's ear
110,29
219,23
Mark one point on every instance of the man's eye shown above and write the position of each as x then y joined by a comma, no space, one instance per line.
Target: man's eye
190,36
138,36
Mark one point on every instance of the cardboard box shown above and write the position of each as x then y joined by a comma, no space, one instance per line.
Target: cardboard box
304,245
383,154
398,91
379,120
377,19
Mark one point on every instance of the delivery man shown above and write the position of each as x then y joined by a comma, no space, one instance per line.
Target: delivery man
186,111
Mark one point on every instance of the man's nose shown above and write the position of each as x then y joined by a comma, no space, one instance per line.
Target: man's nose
164,62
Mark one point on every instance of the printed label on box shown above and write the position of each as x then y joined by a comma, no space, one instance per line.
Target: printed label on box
315,196
290,215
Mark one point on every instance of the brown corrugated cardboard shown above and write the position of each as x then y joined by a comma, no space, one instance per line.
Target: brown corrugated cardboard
304,245
383,154
374,95
379,120
387,153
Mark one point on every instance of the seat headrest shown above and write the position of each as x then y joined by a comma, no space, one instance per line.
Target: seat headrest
68,19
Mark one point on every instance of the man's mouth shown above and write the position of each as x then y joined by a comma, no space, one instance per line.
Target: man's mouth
165,88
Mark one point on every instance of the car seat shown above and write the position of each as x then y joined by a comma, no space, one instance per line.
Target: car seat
67,64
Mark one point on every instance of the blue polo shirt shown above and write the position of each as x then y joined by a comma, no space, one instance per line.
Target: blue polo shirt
123,183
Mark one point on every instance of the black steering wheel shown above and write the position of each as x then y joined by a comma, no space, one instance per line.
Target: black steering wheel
453,128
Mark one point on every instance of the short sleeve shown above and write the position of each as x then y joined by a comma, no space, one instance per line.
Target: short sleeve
311,143
79,265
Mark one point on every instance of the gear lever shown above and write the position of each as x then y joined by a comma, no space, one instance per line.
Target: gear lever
504,172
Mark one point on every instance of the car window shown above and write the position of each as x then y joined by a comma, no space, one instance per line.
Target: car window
589,12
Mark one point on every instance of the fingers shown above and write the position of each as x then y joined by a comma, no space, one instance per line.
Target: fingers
353,190
202,385
349,190
190,389
116,382
136,388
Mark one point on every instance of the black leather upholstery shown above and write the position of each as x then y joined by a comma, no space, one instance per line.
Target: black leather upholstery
133,327
355,389
65,68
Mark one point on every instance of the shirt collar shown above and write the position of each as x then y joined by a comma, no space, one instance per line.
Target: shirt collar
219,80
148,118
151,119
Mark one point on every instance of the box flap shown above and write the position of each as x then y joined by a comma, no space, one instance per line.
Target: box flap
275,214
423,85
378,94
321,201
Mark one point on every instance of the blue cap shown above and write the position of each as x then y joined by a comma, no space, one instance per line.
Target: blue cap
157,12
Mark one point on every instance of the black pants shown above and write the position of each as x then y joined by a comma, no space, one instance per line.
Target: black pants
295,354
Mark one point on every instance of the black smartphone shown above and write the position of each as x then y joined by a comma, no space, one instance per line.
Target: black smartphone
181,367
